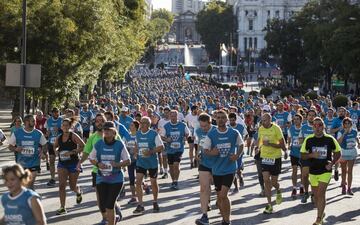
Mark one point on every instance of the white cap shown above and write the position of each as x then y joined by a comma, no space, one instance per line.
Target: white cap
124,109
266,108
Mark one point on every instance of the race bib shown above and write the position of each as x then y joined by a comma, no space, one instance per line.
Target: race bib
267,161
351,144
52,140
322,152
107,170
28,151
296,142
224,149
63,157
175,145
142,151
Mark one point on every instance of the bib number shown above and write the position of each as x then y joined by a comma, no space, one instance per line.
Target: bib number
175,145
52,140
142,151
63,155
28,151
107,170
267,161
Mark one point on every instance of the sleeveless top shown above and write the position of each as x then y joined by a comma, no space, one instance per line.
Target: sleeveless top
67,146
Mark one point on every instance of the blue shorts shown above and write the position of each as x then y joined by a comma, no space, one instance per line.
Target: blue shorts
70,167
349,154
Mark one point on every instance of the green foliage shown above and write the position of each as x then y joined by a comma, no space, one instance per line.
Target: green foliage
163,14
225,86
266,91
209,69
253,93
234,88
311,95
215,23
340,100
76,42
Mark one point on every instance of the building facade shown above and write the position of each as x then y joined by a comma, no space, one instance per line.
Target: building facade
183,29
252,17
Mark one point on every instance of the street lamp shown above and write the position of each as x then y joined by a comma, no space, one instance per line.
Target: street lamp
23,61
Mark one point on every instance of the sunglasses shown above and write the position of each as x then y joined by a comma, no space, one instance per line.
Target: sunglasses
318,125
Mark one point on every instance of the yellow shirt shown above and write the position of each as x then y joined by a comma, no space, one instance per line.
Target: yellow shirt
274,135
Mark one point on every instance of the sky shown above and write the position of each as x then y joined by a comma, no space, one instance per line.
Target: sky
162,4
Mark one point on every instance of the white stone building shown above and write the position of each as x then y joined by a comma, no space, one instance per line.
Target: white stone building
252,17
181,6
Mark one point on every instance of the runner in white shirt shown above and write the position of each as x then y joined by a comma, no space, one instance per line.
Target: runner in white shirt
191,120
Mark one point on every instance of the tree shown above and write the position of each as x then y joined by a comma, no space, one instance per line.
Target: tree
163,14
215,23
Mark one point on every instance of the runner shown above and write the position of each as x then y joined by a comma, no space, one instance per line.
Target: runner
270,143
175,134
190,120
348,140
226,145
205,164
25,142
162,122
243,132
124,119
148,144
306,130
68,145
21,205
130,143
294,146
53,128
86,117
322,151
110,156
282,118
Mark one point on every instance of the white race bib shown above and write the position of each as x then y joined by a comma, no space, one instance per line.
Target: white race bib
28,151
224,149
52,140
296,142
62,155
175,145
107,170
322,152
267,161
142,151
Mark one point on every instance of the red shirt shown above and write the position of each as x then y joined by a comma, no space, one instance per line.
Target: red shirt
40,124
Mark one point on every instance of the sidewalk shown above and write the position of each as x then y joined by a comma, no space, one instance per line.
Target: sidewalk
5,121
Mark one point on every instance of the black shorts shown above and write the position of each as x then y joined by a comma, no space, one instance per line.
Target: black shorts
86,134
295,161
204,168
304,163
190,140
172,158
34,169
225,180
93,175
153,173
274,170
50,148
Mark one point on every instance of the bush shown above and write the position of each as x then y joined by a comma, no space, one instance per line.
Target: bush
266,92
311,94
225,86
253,93
286,93
340,100
234,88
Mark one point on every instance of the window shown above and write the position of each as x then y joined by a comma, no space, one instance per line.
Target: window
245,44
251,24
189,4
277,14
255,13
255,43
246,12
268,13
250,43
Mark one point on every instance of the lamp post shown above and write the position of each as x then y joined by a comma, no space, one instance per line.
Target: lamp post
23,61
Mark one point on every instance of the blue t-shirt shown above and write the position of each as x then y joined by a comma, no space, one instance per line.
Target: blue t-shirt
17,210
130,142
240,128
146,142
306,130
123,132
106,154
226,143
51,124
30,156
354,114
85,120
348,145
295,145
328,124
205,160
177,133
337,122
281,119
126,121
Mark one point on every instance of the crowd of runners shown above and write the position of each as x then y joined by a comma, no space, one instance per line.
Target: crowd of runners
145,131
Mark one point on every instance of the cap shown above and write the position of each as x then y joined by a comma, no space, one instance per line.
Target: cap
124,109
109,125
167,108
266,108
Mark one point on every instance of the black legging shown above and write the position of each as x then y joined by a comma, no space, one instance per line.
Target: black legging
108,194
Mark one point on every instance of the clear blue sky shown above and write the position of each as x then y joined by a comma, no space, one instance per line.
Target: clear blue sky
162,4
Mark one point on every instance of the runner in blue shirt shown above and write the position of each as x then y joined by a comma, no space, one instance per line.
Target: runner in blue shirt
329,119
124,119
86,118
355,114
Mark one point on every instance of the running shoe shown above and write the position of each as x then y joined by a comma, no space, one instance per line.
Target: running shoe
349,191
235,191
139,210
293,193
302,191
79,198
165,176
204,220
132,201
336,175
225,223
343,189
117,219
51,183
305,197
103,222
61,211
156,207
268,209
279,198
176,186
